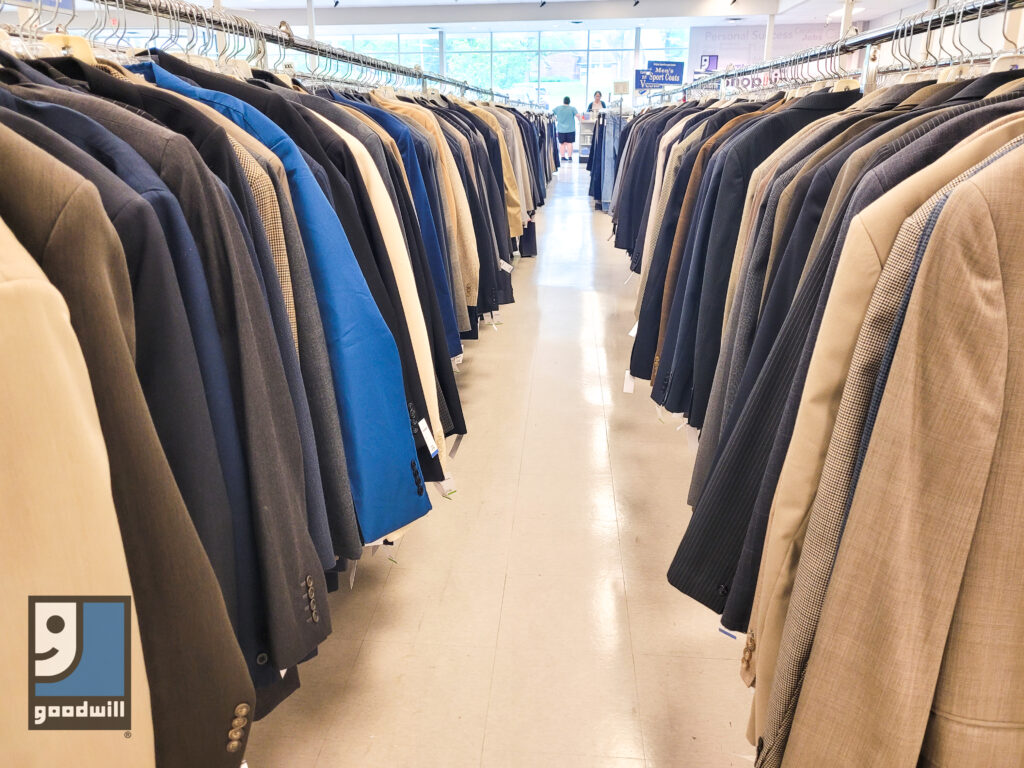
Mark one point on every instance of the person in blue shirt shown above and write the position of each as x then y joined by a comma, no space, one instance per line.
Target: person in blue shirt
565,124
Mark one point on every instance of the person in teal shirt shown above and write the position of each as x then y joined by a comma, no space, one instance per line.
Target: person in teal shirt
565,124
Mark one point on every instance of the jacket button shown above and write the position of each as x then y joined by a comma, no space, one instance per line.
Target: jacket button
233,746
309,581
760,745
236,734
310,593
312,604
419,491
261,659
723,589
316,616
242,710
240,722
412,465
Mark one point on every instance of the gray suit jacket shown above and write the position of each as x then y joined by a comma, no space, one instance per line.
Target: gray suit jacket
266,414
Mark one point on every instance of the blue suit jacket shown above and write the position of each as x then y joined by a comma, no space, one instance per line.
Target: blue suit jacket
421,200
386,483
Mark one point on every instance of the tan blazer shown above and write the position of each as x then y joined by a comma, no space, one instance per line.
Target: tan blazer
61,535
513,204
865,252
917,659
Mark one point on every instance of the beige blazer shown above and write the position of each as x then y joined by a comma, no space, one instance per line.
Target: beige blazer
917,659
513,205
458,220
866,249
61,535
394,241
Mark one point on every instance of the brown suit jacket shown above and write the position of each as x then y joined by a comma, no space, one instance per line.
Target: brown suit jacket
198,680
917,659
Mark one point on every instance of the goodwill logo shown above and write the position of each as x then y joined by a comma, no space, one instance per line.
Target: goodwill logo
79,675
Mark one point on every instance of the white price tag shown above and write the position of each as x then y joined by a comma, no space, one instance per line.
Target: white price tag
634,329
428,437
447,487
628,383
352,573
504,266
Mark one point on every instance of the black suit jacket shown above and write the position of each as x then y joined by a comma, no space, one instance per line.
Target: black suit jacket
708,556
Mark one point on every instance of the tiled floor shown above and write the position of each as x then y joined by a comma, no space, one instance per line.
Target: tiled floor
527,622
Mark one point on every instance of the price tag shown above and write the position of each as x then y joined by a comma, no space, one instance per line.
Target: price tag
447,487
504,266
428,437
352,572
628,384
634,329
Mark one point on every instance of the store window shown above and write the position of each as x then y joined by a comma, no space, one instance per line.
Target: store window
376,45
515,74
612,39
465,43
474,68
563,41
515,41
605,68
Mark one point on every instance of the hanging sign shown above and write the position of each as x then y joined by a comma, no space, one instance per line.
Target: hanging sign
667,72
659,74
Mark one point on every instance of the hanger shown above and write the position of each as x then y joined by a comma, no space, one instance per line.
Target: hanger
957,70
1014,59
63,43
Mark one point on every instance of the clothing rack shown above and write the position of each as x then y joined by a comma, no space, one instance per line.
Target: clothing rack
922,23
179,12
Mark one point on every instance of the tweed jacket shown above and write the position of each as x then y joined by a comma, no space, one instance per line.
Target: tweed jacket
810,482
942,647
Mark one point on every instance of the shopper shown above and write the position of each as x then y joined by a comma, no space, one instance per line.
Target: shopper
566,117
596,105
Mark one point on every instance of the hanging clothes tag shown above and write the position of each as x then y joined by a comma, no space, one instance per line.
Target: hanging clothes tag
447,487
428,437
628,278
352,573
659,412
628,384
504,266
634,329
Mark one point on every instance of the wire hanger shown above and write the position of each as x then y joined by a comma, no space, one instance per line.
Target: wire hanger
1014,59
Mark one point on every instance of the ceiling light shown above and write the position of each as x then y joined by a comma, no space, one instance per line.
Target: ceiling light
836,14
575,22
733,19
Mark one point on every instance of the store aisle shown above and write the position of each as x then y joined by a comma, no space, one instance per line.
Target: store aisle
527,622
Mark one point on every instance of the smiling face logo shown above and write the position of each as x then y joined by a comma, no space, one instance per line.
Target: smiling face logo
58,641
79,663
